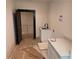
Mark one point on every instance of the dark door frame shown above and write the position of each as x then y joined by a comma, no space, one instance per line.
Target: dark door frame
34,19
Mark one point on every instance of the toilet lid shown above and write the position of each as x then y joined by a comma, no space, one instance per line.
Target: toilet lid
43,45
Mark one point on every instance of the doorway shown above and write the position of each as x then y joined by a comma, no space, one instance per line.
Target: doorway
27,24
24,26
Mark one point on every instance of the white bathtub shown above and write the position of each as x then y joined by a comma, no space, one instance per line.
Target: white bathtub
62,46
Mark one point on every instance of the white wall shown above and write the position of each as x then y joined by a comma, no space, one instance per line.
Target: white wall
10,40
50,12
57,8
41,11
27,22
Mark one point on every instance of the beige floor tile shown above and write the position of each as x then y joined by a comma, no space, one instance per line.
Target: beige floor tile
25,49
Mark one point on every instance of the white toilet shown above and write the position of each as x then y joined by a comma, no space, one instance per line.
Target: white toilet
45,34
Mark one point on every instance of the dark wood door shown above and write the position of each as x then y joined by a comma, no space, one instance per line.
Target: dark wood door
34,26
18,29
34,19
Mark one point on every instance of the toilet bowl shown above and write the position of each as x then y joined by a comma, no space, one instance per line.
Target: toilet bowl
43,47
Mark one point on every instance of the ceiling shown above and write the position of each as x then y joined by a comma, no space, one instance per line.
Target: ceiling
38,0
45,0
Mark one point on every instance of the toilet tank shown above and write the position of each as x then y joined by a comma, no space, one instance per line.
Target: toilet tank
45,34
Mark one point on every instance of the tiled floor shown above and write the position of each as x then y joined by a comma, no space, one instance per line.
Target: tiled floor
26,50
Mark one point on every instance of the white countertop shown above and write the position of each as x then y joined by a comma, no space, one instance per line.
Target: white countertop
62,46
